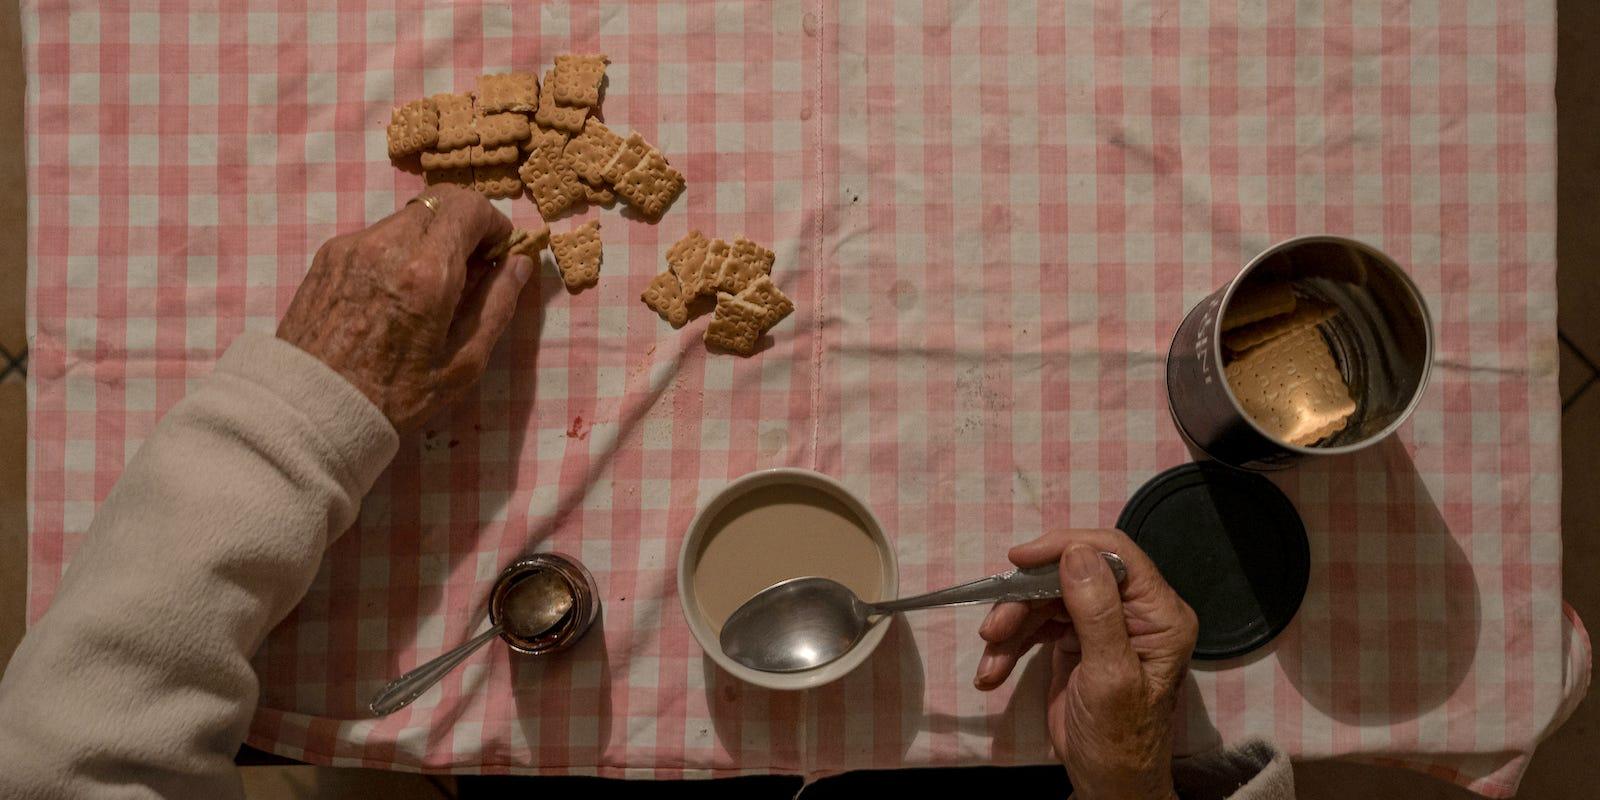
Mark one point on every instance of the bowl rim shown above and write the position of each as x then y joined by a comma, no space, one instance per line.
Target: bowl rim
700,629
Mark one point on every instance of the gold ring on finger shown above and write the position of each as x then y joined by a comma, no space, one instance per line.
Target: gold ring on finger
426,199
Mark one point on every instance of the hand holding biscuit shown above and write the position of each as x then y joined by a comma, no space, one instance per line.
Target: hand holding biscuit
394,310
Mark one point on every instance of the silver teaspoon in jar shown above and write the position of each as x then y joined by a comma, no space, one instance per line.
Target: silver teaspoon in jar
532,604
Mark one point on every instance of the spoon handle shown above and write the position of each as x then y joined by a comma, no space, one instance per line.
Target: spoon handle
410,686
1034,583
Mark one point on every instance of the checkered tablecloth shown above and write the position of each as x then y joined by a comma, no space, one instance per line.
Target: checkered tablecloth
991,218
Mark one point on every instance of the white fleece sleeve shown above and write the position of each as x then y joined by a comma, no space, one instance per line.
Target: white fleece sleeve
137,683
1252,770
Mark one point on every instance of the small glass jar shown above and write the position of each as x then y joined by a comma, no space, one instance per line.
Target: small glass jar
565,633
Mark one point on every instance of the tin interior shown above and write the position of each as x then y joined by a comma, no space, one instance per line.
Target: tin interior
1381,338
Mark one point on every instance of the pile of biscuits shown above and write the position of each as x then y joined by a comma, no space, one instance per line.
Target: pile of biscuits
738,274
507,137
1280,367
513,134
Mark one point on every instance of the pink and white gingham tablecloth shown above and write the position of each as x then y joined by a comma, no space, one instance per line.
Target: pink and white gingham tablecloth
991,218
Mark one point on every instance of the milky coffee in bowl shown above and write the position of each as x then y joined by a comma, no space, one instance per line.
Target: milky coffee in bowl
768,527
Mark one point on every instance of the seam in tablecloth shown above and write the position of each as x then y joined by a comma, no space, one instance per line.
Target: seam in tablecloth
817,261
820,45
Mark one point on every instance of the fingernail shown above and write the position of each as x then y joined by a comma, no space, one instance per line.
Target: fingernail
521,267
1083,563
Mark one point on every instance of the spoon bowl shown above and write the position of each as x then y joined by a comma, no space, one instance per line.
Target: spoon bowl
796,625
535,604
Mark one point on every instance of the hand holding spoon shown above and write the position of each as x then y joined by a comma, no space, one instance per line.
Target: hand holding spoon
803,623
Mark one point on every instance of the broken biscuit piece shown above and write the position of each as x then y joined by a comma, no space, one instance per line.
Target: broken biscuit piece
590,151
694,242
763,292
551,182
522,241
456,128
685,258
495,130
596,195
413,128
651,185
664,295
1306,314
743,264
735,325
576,79
511,91
700,278
1254,302
766,257
578,254
628,155
553,115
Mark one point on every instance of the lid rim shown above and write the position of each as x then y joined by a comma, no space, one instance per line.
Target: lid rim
1294,568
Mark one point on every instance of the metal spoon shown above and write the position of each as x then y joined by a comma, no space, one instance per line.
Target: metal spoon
533,605
803,623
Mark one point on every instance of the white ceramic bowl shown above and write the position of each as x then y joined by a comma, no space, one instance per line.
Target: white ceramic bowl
689,556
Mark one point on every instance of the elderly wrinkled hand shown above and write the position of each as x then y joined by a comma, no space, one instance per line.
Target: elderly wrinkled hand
397,310
1118,657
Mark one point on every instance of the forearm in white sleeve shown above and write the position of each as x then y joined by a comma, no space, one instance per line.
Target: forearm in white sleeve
137,681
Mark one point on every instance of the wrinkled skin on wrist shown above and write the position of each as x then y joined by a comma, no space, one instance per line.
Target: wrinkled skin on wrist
1118,657
406,310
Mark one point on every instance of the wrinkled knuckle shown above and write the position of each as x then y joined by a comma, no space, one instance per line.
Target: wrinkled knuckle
418,279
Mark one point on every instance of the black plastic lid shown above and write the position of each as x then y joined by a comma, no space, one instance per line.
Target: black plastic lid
1232,546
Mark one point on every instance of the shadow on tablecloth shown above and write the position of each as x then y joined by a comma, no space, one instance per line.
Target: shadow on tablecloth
1391,620
576,730
783,731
